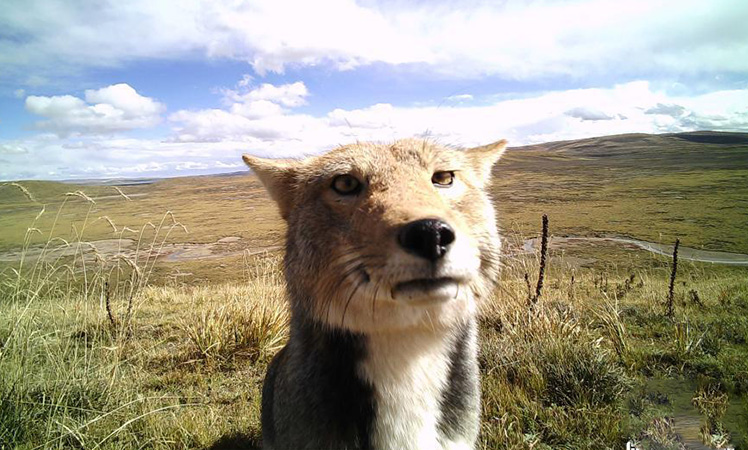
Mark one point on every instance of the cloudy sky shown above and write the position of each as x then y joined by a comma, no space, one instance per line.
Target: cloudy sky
144,88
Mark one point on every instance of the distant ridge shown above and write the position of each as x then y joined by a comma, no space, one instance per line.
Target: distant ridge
665,139
714,137
110,181
139,181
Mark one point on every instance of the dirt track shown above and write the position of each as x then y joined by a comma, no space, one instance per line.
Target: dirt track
685,253
107,248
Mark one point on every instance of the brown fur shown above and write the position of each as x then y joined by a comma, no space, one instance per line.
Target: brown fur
330,235
344,265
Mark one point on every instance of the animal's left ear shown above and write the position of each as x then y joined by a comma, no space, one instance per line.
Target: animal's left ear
483,158
279,178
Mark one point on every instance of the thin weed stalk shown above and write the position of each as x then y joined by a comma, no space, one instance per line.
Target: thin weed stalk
533,299
670,295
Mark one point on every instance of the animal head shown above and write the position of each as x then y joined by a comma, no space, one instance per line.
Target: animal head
384,237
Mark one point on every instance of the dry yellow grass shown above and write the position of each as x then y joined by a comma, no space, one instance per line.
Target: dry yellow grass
183,371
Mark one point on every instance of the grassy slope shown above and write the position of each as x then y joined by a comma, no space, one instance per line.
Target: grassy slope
184,371
211,208
651,187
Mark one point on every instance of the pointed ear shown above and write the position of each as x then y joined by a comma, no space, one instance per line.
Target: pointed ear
483,158
279,178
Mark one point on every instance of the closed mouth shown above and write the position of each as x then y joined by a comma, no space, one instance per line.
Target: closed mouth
423,285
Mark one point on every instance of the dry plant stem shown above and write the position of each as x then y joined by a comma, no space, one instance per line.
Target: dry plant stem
543,257
672,280
79,236
571,288
16,292
529,289
108,304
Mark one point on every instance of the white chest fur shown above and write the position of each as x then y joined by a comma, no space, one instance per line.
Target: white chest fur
409,372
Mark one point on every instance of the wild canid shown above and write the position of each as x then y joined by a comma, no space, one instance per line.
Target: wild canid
388,249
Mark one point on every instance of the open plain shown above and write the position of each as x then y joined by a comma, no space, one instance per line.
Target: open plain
143,315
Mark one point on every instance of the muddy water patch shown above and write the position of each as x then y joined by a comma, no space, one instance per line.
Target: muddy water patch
128,248
687,420
103,248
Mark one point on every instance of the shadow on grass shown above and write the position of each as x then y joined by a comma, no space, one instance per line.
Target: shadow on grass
237,441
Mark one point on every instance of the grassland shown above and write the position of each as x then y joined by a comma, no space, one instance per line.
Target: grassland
127,347
654,188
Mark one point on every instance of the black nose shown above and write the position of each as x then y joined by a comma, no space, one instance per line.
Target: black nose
427,238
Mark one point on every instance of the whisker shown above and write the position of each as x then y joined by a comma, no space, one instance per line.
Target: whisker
347,266
345,275
350,298
431,321
374,303
353,269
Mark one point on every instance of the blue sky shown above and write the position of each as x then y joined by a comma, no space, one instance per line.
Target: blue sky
146,88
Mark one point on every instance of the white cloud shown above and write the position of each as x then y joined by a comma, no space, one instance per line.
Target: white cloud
373,117
669,110
48,156
459,98
340,32
259,113
192,165
517,39
297,131
256,109
12,149
223,165
290,95
212,140
264,101
108,110
721,110
588,114
124,98
624,108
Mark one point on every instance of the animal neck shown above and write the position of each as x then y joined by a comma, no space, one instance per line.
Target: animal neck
411,375
417,382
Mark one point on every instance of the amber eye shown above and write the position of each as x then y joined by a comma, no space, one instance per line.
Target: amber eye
346,185
443,179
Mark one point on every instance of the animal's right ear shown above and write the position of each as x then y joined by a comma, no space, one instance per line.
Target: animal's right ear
279,178
484,157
